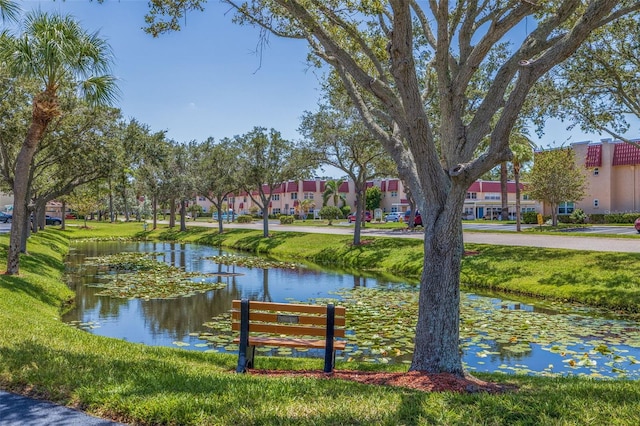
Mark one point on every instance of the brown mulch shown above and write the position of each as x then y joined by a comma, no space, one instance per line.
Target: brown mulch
426,382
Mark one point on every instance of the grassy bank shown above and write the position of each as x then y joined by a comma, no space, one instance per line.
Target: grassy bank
41,356
603,279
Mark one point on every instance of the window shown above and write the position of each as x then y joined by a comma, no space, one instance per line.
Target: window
292,211
596,171
525,197
294,195
472,196
394,210
565,208
308,195
394,193
596,203
275,197
201,198
275,211
491,196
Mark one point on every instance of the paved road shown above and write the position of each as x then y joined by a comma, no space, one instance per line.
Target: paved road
16,410
564,241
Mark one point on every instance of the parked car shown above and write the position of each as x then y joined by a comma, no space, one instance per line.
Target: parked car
392,217
5,217
51,220
417,220
636,224
366,217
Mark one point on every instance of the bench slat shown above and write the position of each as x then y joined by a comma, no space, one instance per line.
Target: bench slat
290,307
301,319
288,329
292,343
282,320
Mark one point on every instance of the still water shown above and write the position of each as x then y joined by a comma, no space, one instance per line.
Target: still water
496,334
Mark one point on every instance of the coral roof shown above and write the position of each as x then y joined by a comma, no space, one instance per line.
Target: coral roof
594,156
309,186
492,186
625,154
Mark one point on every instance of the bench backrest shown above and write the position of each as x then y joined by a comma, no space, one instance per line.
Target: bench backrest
292,319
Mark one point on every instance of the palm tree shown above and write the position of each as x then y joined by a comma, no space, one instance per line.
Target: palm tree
56,52
304,206
332,190
522,148
9,10
518,135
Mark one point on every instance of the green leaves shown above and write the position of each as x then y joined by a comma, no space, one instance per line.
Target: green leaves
251,262
140,276
495,335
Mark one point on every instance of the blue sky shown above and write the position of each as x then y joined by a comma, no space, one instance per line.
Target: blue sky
203,81
206,80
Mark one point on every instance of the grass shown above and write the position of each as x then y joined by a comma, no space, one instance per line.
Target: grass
134,383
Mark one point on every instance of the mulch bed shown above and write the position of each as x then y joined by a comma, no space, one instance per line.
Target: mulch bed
426,382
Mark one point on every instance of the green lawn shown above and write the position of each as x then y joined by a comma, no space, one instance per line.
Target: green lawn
43,357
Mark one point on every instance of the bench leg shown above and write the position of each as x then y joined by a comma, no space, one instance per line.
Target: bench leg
329,352
245,359
244,337
251,352
329,361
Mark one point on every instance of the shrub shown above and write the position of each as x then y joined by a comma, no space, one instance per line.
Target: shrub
286,220
578,216
620,217
330,213
244,218
530,217
598,218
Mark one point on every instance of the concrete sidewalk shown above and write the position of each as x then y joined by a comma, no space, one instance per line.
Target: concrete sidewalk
523,239
17,410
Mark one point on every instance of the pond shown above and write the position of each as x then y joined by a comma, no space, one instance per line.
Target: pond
199,282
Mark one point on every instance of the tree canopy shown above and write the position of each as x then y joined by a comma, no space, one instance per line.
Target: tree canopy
555,179
431,81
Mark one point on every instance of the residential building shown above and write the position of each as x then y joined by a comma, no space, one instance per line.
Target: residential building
483,198
613,177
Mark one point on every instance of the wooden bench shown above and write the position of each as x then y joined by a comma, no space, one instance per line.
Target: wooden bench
265,324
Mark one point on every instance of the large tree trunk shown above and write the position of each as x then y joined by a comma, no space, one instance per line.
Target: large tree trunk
125,203
219,208
155,211
111,212
64,215
516,177
504,193
265,220
39,122
183,215
437,346
172,213
359,213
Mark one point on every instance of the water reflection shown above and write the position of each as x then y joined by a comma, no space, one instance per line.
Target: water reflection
496,334
162,322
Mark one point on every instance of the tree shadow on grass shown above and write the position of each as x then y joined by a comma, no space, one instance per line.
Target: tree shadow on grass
149,377
174,234
259,243
15,283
